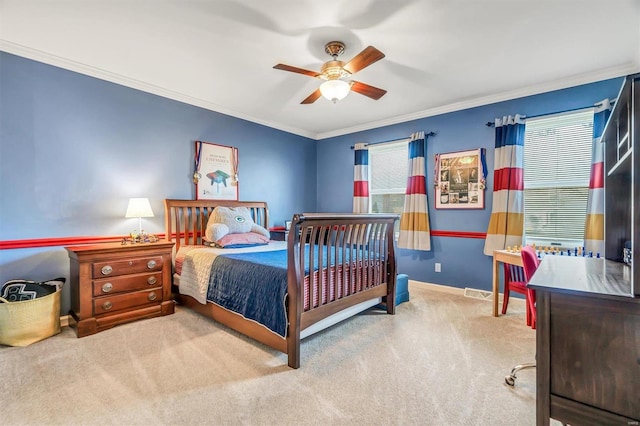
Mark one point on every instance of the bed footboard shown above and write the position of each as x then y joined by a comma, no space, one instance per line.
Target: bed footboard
353,259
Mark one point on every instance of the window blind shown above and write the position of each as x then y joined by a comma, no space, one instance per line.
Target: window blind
388,170
557,165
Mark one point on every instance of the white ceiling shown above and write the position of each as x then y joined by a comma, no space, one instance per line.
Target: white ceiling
441,55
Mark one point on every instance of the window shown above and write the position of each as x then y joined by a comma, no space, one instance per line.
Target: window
388,173
557,165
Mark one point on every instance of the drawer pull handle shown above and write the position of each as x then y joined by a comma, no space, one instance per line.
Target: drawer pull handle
107,305
151,264
152,280
107,287
152,296
106,270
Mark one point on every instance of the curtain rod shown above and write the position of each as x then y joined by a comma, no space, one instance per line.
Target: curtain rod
612,101
426,135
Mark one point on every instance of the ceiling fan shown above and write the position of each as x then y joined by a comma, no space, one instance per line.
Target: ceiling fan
335,73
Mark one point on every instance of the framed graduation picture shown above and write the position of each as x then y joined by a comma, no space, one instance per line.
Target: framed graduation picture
460,180
216,171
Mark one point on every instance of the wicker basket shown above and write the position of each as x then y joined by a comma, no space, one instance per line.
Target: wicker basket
29,321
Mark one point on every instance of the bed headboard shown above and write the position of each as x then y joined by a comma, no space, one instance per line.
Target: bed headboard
186,220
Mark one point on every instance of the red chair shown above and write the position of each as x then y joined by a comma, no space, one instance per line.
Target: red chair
515,280
530,263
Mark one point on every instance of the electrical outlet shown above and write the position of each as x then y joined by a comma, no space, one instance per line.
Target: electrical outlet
438,267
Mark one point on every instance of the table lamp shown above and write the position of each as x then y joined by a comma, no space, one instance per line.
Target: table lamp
139,207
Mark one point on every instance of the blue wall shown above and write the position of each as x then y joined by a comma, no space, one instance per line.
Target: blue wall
73,149
462,259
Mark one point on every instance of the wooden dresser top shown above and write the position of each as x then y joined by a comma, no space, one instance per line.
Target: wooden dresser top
118,247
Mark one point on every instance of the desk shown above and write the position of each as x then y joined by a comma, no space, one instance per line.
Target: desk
587,342
502,256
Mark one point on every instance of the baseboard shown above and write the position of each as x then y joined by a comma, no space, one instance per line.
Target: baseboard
64,321
465,291
440,287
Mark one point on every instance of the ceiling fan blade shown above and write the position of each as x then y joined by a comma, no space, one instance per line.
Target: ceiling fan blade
365,89
363,59
312,97
289,68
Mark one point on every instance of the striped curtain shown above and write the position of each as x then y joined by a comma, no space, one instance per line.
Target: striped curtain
361,179
414,221
506,225
594,224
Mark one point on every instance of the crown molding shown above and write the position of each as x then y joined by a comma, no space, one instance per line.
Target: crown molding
50,59
79,67
564,83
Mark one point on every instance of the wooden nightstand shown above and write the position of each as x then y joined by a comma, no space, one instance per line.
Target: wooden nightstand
113,284
279,235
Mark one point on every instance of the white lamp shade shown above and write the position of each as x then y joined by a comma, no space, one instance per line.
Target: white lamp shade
139,207
335,90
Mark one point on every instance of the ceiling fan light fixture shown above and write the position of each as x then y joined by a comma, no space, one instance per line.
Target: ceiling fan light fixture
335,90
338,74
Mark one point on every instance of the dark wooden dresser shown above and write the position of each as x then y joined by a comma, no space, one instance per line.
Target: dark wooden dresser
113,284
587,342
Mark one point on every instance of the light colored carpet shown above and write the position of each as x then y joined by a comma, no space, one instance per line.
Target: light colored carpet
441,360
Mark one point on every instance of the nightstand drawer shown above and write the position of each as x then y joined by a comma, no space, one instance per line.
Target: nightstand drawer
104,305
129,266
127,283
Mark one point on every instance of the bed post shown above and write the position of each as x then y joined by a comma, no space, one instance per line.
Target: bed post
294,303
391,269
168,233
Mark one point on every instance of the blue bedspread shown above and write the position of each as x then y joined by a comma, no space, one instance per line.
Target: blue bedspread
255,284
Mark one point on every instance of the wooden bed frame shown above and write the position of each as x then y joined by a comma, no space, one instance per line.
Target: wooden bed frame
373,235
